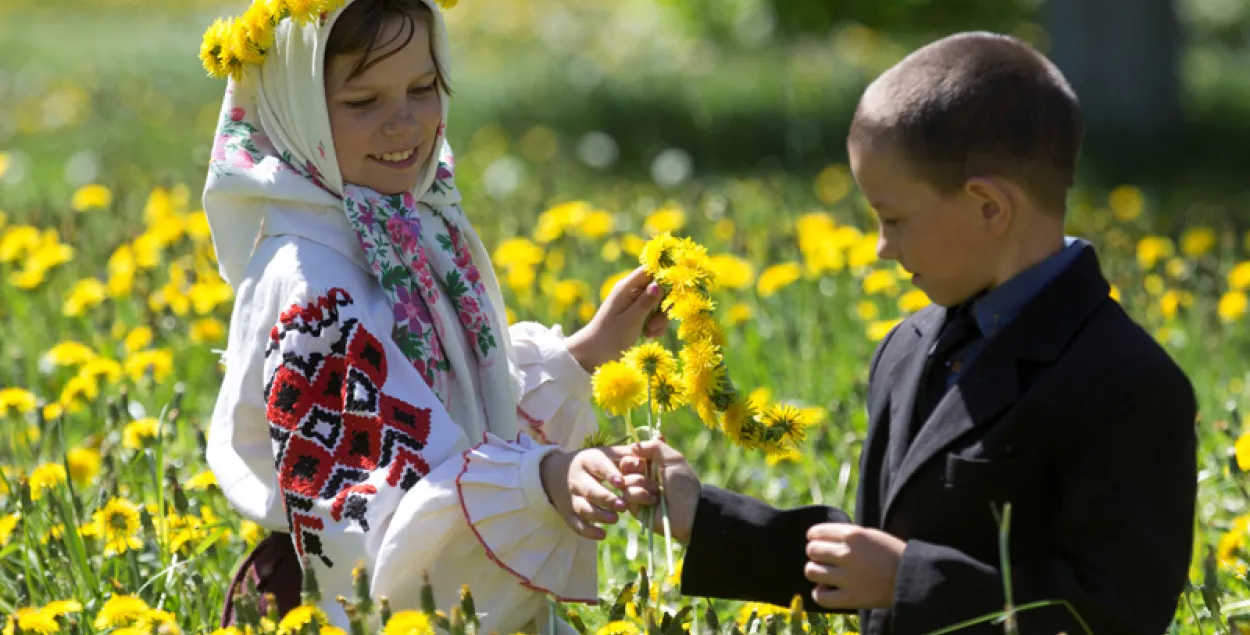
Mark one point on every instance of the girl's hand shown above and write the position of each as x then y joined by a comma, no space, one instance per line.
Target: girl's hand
574,485
615,328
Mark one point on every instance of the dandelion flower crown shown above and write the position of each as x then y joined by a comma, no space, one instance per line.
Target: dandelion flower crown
231,45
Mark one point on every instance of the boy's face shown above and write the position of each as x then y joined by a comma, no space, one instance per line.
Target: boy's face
944,241
385,121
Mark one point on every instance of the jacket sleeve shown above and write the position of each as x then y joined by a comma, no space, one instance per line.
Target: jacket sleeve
744,549
1123,536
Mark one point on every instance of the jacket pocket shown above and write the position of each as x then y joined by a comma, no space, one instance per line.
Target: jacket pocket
1002,479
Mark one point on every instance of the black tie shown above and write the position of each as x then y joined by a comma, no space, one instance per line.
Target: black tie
960,329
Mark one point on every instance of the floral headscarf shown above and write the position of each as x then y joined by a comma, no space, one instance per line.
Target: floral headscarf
274,171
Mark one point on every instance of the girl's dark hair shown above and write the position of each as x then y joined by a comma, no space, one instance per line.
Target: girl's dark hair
360,26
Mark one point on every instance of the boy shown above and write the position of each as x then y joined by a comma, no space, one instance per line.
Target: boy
1023,383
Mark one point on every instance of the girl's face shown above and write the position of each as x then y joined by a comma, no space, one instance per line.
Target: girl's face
385,120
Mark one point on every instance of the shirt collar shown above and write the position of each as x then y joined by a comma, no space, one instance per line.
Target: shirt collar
997,308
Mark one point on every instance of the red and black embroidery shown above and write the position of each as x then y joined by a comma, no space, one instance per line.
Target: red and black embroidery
331,424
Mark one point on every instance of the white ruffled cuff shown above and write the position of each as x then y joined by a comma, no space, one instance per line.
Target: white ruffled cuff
555,389
504,503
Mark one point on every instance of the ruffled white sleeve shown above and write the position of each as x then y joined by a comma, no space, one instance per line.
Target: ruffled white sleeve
366,468
555,389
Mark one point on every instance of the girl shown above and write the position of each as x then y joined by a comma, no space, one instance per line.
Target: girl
375,404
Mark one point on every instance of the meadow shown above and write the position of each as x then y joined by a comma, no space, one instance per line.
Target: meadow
112,315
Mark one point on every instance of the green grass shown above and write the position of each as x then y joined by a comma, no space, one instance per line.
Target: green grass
144,116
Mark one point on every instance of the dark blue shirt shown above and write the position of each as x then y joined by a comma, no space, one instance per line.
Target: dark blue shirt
997,308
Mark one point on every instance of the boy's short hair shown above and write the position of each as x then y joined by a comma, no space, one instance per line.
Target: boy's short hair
975,104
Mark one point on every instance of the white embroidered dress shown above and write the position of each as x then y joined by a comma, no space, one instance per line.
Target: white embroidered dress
326,429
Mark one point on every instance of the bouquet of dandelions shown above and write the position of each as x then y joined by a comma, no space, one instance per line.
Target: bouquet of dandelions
696,377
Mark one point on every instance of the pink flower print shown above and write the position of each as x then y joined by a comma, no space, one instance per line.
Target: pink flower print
219,147
411,309
322,149
401,233
409,201
469,305
444,172
243,159
442,128
237,114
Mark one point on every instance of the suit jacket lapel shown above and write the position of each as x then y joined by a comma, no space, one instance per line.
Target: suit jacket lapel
904,378
991,383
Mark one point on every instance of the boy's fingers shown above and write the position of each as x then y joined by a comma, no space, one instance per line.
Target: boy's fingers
656,450
632,465
829,531
825,574
831,598
827,552
640,481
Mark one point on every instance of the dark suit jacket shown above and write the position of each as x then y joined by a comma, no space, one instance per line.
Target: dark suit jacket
1072,413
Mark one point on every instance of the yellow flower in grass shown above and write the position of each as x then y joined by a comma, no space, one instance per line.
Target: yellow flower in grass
7,525
1115,293
86,294
121,611
651,358
1197,242
618,387
136,433
45,478
881,281
92,196
409,623
866,310
139,338
788,421
33,621
110,369
160,362
699,355
879,329
667,394
731,271
777,277
913,301
1232,306
121,268
1233,541
687,304
17,399
295,620
738,314
78,391
1152,249
17,241
251,532
84,464
597,224
202,481
760,610
1126,202
1239,276
1169,303
1242,449
516,252
207,330
69,353
118,523
619,627
667,219
659,253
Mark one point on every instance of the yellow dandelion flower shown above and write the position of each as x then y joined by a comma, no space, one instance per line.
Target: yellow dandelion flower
85,294
409,623
618,387
102,367
619,627
121,610
760,609
913,301
212,46
1126,202
1197,242
863,252
1169,303
69,353
229,630
879,329
517,251
79,390
596,224
18,399
1152,249
202,481
34,621
651,358
1232,306
160,362
699,327
777,277
659,253
699,355
1242,449
866,310
881,281
136,433
251,532
667,394
7,525
686,304
1115,293
788,420
1239,276
62,607
731,271
92,196
738,314
737,416
787,453
118,523
84,464
207,330
138,338
294,621
665,220
45,478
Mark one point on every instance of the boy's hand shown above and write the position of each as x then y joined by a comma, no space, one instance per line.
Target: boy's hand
615,327
853,567
681,487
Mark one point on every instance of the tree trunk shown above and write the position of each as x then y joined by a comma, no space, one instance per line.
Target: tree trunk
1121,57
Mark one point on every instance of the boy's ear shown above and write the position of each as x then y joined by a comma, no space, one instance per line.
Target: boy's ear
995,200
